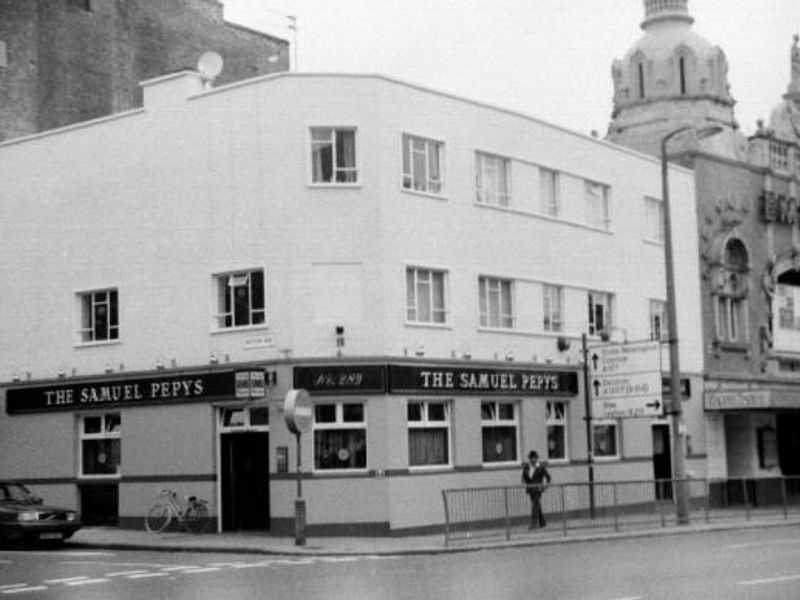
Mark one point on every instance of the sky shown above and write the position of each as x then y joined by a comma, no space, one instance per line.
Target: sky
550,59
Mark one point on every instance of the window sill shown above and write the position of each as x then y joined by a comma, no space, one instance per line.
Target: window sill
104,477
557,461
732,346
606,458
424,325
429,468
654,242
96,344
339,472
245,329
501,465
334,186
430,195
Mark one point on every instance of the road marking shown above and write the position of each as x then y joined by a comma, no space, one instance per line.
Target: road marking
34,588
225,564
770,543
769,580
265,563
179,568
338,559
87,581
203,570
143,575
122,573
64,579
12,585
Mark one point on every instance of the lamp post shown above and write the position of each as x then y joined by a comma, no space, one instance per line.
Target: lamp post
676,410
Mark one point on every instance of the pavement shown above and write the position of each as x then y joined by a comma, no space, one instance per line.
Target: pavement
264,543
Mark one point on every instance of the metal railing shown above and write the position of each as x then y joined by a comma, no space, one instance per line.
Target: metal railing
615,505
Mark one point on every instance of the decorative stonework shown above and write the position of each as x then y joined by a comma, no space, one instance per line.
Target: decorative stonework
719,224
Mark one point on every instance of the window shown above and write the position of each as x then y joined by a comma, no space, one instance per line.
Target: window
557,430
340,436
597,205
99,316
788,301
779,156
658,320
553,301
499,431
496,304
730,318
422,164
240,299
100,444
599,312
333,155
654,219
682,73
425,296
640,79
428,433
548,192
244,418
606,444
492,179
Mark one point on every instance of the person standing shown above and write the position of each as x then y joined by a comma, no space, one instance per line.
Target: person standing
536,478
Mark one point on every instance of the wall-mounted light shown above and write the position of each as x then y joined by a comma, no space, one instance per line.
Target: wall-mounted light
563,343
108,368
61,374
160,364
510,355
467,353
213,359
339,339
420,350
15,376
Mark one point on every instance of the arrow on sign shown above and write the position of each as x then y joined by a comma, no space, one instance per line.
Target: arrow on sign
596,386
655,404
595,358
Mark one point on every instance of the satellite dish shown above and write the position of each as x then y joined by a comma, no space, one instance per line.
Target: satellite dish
209,66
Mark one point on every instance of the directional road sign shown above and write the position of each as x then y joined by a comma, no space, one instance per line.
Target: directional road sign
625,380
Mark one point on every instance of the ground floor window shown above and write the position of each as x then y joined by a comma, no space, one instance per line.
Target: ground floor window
556,430
606,439
340,436
428,433
499,431
101,444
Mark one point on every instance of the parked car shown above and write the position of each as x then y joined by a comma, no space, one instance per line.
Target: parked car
25,518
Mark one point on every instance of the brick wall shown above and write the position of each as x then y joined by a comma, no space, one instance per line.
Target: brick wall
68,64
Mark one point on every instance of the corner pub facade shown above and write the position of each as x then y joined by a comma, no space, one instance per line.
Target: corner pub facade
421,263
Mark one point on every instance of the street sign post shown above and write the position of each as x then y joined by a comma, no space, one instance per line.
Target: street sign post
626,380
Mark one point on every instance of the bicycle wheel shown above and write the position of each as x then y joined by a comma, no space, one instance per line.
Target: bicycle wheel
196,518
158,517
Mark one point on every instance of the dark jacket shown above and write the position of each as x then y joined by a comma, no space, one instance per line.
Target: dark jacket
535,478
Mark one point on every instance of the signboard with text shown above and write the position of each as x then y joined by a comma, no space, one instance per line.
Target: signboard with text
625,380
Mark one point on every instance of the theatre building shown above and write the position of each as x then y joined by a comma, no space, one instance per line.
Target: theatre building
748,215
423,265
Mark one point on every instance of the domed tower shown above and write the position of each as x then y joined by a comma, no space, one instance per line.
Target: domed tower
784,122
672,77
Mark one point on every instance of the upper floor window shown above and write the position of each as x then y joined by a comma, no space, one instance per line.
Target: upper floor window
654,219
556,430
333,155
428,433
425,296
240,299
492,179
779,156
499,431
658,320
101,444
553,301
496,302
340,436
730,292
422,164
605,439
598,210
599,312
549,192
99,316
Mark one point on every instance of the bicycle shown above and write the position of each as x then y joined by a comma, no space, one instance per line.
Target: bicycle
190,512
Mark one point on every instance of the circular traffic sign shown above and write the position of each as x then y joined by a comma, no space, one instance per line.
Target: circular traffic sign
297,411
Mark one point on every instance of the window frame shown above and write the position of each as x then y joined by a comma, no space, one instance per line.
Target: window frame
598,219
492,170
730,319
552,420
607,304
550,192
496,422
103,435
413,289
335,131
339,424
224,292
87,305
655,229
552,320
247,422
505,320
615,424
425,423
432,186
